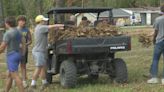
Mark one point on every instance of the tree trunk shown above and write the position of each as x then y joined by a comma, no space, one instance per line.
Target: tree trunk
69,3
60,3
39,6
1,21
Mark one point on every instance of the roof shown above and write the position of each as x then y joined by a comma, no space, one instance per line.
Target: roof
78,10
144,9
116,13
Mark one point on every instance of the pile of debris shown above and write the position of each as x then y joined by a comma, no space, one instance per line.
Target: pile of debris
89,32
145,40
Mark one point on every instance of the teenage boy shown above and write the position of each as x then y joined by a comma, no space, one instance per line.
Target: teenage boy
12,41
39,49
26,41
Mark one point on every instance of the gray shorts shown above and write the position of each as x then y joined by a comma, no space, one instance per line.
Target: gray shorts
39,58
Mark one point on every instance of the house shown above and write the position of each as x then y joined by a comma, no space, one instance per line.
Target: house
146,14
126,16
118,15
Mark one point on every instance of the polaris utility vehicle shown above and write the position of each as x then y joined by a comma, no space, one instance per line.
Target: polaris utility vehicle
72,58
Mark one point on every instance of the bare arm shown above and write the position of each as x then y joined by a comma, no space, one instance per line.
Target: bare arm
2,47
154,36
60,26
29,38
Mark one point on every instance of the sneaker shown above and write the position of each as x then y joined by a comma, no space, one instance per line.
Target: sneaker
43,86
153,81
162,81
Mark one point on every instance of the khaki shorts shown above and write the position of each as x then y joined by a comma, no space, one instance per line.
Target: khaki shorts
39,58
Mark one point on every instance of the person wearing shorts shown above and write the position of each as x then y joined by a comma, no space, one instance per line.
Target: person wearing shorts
26,41
12,41
39,49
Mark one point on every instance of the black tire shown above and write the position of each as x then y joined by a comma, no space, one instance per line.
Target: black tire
68,74
120,71
49,77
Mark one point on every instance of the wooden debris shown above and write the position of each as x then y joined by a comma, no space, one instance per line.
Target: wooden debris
75,32
145,40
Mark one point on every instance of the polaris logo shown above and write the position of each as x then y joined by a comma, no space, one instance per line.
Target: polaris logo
117,48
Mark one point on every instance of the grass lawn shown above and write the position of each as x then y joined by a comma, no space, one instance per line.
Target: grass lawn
138,62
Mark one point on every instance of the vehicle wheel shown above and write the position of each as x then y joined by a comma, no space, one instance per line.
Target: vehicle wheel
49,77
93,76
68,74
120,74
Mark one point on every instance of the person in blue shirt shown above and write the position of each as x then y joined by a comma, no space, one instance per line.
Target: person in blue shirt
27,40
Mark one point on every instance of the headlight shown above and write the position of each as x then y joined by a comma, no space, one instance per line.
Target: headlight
51,52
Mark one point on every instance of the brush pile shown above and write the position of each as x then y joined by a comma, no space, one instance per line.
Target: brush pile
145,40
74,32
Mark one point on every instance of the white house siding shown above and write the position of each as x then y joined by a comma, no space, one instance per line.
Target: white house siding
136,14
148,18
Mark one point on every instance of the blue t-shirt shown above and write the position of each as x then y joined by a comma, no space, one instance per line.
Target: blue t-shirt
24,32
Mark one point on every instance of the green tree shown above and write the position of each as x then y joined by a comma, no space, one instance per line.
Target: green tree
1,15
13,7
